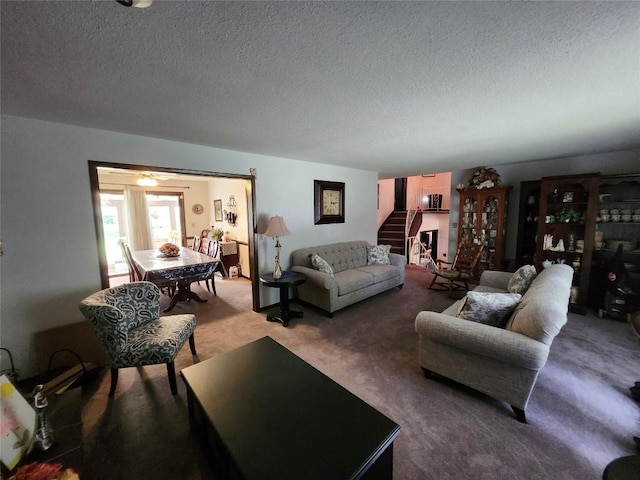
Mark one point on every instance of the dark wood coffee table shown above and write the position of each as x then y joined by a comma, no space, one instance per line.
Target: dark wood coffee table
264,413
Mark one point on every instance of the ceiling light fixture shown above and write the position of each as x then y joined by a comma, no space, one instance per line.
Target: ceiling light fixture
135,3
147,182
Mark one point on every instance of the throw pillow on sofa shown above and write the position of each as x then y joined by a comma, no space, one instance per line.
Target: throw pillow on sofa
489,308
321,264
378,255
521,280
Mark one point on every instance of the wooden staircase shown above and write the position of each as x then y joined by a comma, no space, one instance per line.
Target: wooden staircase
392,232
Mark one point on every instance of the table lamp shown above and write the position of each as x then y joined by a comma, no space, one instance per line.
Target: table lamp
277,229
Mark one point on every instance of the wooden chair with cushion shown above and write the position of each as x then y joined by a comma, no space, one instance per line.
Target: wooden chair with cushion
213,250
205,235
134,275
126,320
197,242
168,287
457,275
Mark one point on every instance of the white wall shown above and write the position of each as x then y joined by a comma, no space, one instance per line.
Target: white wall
222,189
50,257
438,184
386,194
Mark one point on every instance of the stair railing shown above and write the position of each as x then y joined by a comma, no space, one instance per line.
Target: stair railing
411,214
419,254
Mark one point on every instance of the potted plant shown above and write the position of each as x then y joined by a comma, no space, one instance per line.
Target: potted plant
217,233
568,215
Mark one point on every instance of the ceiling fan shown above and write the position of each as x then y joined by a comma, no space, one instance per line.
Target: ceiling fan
145,178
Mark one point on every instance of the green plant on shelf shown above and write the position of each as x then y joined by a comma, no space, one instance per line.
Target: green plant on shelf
568,215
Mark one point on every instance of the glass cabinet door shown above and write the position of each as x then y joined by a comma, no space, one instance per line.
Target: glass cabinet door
469,219
482,220
489,230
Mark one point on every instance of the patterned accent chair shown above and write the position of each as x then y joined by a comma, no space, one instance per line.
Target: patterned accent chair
457,276
126,320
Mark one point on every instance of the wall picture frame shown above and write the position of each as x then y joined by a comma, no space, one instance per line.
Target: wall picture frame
217,209
328,202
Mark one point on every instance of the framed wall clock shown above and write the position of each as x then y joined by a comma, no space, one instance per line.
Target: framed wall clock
197,209
328,202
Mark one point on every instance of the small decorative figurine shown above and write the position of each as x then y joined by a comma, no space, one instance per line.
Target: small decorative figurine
44,432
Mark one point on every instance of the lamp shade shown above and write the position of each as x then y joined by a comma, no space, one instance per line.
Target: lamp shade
276,228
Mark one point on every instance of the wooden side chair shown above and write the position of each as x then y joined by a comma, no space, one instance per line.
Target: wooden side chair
134,274
204,234
168,287
213,250
455,276
126,319
197,242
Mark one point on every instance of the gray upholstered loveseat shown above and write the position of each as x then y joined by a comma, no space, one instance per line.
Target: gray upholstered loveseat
352,280
501,362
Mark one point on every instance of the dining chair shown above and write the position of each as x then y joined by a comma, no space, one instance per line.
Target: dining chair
168,287
126,319
456,275
213,250
204,234
197,242
134,274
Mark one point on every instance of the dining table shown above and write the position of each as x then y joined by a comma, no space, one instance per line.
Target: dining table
185,268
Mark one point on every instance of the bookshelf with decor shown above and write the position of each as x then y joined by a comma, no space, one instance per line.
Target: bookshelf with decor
566,228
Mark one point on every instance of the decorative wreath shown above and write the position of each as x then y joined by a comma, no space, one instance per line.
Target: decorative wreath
484,177
170,250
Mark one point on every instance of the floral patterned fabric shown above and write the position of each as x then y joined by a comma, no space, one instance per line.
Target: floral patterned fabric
489,308
378,255
522,279
321,264
126,320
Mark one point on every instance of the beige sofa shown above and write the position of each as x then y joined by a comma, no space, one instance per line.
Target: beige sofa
501,362
352,280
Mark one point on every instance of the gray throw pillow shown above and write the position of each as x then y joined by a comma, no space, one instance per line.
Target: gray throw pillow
489,308
378,255
521,280
321,264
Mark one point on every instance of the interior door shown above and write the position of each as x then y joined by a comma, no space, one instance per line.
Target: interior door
400,200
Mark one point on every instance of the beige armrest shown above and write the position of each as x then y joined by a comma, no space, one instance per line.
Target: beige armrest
481,339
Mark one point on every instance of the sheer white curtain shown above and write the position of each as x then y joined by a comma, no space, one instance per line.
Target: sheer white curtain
138,220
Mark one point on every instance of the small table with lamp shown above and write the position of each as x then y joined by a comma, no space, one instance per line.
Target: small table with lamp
288,279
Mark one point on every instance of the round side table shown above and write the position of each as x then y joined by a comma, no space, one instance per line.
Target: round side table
288,279
623,468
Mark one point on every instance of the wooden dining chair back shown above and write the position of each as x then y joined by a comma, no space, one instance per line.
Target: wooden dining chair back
197,242
452,276
204,234
213,250
134,273
126,319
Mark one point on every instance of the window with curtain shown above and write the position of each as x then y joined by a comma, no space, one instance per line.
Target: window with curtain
164,219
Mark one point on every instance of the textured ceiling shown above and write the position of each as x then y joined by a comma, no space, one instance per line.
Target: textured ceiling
401,88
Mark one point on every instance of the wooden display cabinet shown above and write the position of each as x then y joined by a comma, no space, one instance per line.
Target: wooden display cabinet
527,222
618,221
483,214
566,228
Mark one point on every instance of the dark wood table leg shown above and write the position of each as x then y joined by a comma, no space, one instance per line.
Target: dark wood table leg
285,312
183,293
